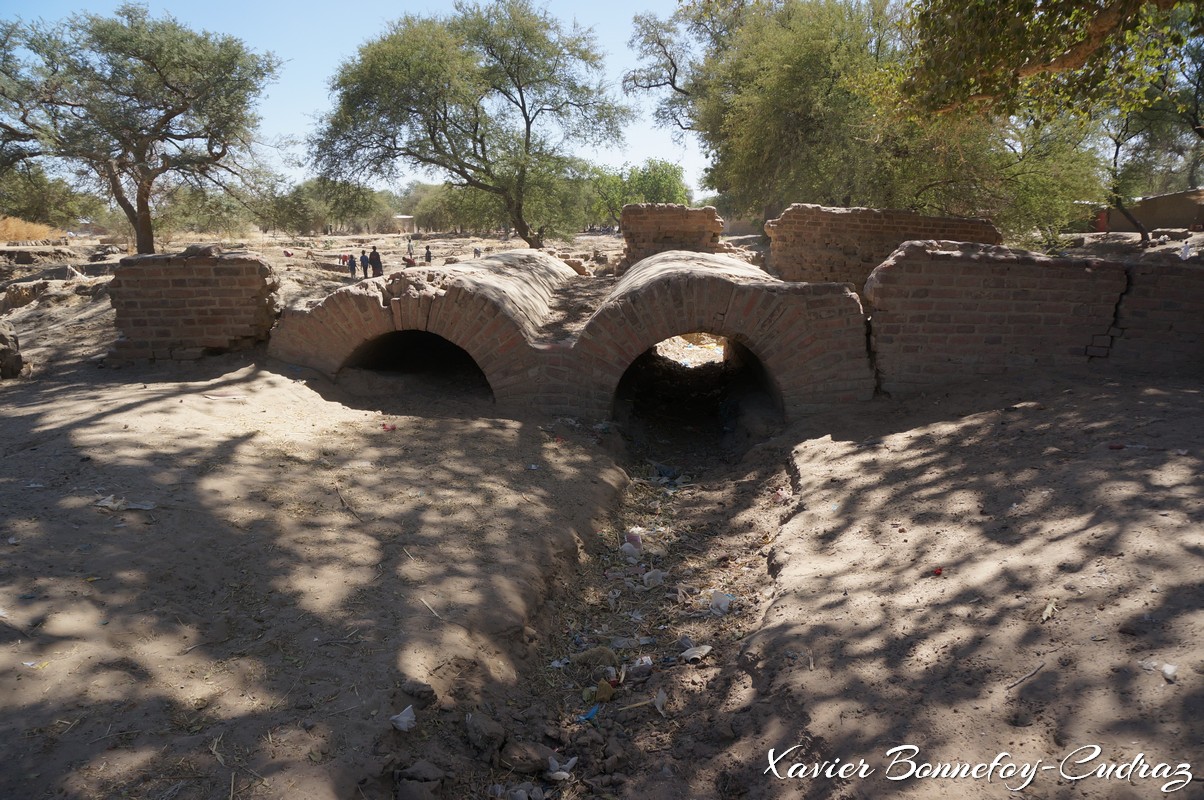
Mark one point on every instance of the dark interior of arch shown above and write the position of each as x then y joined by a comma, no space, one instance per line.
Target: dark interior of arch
667,410
415,372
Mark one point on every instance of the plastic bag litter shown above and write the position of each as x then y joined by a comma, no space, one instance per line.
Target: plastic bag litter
660,700
630,551
653,577
560,772
406,720
635,537
111,503
721,602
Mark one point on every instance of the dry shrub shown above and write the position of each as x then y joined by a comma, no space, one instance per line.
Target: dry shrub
18,230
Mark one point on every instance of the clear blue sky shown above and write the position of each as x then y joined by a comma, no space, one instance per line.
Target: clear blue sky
312,38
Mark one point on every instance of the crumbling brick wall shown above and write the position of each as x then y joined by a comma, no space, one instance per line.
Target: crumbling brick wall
651,228
1160,318
945,312
844,245
186,305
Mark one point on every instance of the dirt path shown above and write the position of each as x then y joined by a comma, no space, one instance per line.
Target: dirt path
222,580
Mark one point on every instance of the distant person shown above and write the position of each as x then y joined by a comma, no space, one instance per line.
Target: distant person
409,247
364,262
428,255
476,252
350,262
378,268
409,261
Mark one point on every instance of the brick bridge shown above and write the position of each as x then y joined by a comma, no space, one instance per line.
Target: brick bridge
930,311
552,341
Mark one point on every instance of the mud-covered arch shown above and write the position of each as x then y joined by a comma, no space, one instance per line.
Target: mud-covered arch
426,360
490,308
808,338
695,394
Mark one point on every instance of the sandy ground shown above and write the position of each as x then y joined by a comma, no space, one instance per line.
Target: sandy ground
223,579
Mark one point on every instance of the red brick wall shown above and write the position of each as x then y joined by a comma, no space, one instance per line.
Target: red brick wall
183,306
651,228
844,245
940,313
810,338
491,308
944,312
1160,320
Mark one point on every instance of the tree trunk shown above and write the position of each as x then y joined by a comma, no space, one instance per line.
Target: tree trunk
1136,223
514,209
144,231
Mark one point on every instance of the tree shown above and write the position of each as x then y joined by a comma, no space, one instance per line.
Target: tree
190,209
489,98
657,181
1006,53
673,51
130,100
800,101
28,193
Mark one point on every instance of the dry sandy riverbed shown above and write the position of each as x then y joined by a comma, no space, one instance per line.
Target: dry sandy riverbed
222,579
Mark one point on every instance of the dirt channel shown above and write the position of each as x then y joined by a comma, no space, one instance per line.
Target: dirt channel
227,579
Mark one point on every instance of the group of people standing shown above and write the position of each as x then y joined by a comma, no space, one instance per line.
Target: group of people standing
372,261
366,261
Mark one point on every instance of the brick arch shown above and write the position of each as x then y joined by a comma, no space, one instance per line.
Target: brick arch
809,338
489,308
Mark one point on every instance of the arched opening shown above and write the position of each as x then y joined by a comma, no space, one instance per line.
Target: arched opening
415,372
695,396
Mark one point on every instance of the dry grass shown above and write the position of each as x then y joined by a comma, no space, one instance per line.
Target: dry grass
18,230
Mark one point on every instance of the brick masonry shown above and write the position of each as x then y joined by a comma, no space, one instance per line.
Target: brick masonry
1160,320
943,312
936,313
809,337
492,308
180,307
651,228
844,245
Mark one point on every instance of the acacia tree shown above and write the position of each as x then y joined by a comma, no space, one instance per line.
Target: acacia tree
488,98
1003,54
799,101
656,181
129,100
28,193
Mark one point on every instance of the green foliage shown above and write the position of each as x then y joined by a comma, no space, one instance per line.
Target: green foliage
28,193
196,210
800,101
1008,55
129,100
657,181
489,98
1047,177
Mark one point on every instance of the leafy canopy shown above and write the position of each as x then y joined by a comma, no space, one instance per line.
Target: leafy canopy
489,98
1005,54
800,101
656,181
128,100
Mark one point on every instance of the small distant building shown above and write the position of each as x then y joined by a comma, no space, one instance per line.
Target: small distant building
1175,210
86,227
404,223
